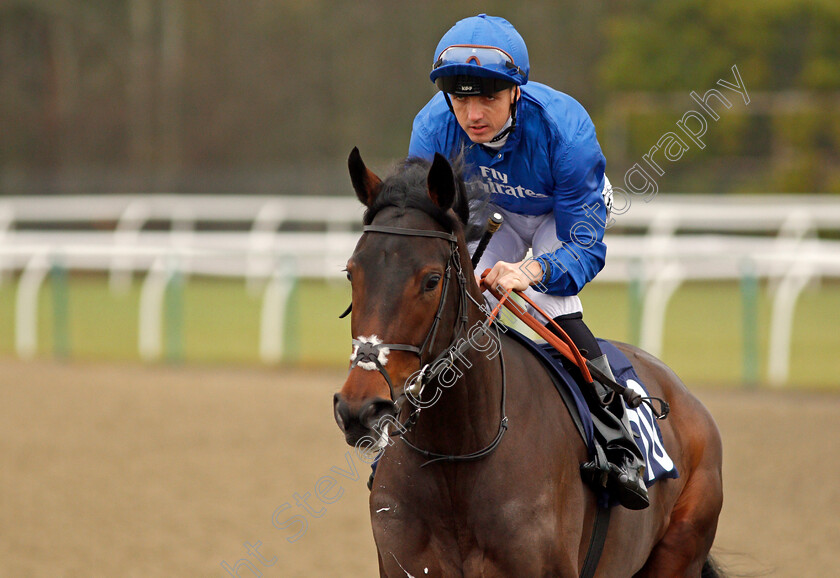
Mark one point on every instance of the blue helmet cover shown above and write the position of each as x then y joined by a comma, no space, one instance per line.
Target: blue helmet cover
484,30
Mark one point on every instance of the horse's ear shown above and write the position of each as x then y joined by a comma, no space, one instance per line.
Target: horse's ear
365,183
441,182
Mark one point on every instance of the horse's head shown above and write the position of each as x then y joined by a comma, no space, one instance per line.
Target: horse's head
408,272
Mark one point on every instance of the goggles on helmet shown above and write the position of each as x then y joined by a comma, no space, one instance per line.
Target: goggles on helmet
487,57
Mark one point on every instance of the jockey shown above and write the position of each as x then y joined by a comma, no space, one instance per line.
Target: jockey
535,151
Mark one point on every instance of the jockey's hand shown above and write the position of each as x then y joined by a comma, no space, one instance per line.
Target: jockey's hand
518,276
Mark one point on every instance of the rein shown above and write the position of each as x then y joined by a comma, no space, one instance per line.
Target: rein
563,344
369,352
569,350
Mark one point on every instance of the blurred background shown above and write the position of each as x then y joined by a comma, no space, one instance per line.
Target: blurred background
257,96
175,209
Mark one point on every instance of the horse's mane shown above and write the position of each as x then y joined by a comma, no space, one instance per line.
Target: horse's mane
406,188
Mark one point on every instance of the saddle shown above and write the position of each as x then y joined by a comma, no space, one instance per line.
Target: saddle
643,420
561,358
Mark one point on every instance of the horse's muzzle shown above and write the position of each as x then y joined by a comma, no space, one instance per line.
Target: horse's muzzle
358,420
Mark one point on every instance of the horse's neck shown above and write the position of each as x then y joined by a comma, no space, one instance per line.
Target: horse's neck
466,417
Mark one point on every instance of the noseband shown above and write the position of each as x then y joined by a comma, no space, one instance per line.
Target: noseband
367,352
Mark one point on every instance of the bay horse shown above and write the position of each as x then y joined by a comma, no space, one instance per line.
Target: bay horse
501,491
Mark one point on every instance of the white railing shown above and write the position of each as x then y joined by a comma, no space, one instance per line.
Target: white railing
291,256
768,237
270,260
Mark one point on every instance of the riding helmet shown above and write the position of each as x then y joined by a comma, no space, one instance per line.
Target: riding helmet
480,55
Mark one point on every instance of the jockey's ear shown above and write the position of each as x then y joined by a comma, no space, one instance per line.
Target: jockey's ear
441,182
365,183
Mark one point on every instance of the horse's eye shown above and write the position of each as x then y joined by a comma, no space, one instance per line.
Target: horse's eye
349,276
431,282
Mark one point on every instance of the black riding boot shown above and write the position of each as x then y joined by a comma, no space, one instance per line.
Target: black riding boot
625,473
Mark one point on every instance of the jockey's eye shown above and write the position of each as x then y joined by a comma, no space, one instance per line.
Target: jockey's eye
431,281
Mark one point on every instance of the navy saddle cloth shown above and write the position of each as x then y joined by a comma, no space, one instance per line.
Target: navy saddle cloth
642,421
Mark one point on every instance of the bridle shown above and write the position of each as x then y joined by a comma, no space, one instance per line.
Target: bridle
367,352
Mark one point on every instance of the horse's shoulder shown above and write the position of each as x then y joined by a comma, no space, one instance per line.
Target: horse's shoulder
520,359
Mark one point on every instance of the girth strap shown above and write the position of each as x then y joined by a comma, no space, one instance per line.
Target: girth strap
597,541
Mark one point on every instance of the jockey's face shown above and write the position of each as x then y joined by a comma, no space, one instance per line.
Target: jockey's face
482,117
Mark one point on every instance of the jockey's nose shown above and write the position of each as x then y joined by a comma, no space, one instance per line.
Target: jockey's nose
474,109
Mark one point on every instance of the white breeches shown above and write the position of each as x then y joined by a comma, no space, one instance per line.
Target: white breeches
511,242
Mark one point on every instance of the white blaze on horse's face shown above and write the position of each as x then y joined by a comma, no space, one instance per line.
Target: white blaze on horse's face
382,357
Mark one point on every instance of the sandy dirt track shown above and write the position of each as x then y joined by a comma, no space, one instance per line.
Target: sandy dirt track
127,470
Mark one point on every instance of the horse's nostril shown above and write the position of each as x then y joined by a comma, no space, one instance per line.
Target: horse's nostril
341,411
375,410
357,421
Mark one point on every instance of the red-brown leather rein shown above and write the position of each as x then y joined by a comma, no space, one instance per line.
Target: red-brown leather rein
563,344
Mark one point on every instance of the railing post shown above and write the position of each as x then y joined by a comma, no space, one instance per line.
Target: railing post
7,219
174,316
749,322
658,295
635,291
154,302
275,305
126,235
261,245
61,325
26,306
781,325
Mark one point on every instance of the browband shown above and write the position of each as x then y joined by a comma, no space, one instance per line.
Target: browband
410,232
